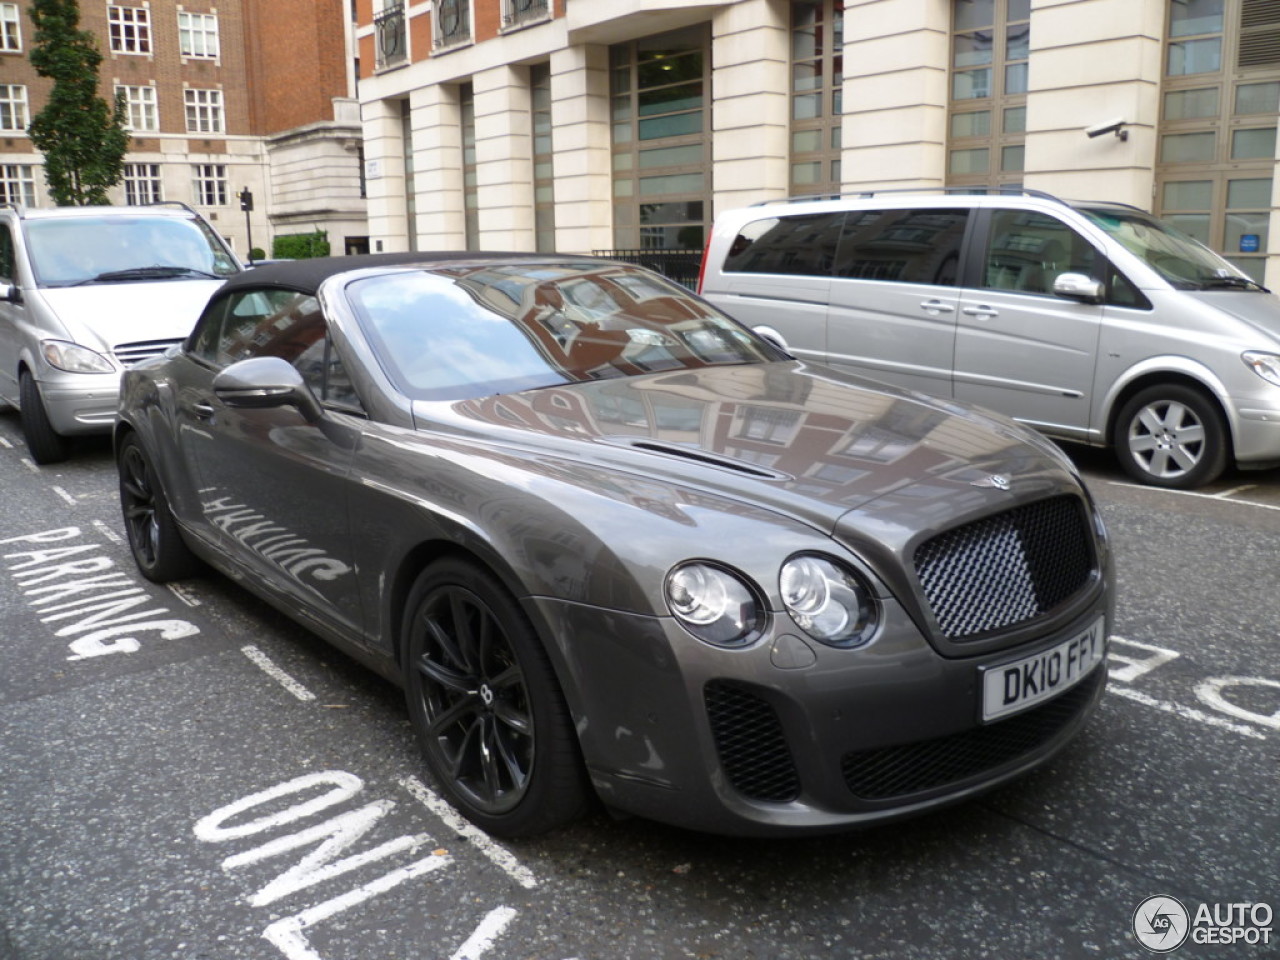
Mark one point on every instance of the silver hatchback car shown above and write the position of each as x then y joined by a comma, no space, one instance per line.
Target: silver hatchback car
84,292
611,541
1092,322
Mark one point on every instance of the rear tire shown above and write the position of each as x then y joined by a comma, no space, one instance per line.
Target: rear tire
1173,436
154,538
486,705
45,444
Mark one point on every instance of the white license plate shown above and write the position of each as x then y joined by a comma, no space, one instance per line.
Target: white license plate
1015,686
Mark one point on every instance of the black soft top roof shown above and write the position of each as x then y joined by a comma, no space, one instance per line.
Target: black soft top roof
306,276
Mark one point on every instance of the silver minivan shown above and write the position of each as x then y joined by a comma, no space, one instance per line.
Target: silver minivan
1093,322
86,291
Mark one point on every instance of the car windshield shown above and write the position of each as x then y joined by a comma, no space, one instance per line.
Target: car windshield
1182,260
117,248
478,331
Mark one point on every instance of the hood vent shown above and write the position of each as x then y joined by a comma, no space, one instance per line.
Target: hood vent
710,459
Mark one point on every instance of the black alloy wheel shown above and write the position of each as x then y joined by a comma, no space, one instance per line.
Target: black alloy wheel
154,538
486,706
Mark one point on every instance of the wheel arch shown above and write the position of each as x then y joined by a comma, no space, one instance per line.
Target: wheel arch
1206,384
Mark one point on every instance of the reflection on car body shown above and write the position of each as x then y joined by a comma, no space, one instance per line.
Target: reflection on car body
610,542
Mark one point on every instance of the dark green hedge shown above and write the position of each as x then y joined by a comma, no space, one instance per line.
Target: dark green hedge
300,246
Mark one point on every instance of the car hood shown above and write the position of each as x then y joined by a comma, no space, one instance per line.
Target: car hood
103,315
1253,307
802,440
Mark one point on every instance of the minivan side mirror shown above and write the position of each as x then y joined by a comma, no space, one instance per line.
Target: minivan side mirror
1077,286
10,293
265,382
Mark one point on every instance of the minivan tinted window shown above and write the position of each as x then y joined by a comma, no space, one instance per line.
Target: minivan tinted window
904,246
804,244
1027,251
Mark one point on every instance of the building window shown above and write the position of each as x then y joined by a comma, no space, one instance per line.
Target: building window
390,39
470,194
987,117
204,111
198,35
544,201
516,13
211,184
140,103
18,183
129,29
13,107
661,150
1219,106
817,73
452,22
10,29
142,184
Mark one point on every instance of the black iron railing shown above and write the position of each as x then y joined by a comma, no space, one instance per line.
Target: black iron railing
524,11
678,265
389,31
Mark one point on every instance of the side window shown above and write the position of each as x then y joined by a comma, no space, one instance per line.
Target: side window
903,246
803,245
278,323
1026,251
7,266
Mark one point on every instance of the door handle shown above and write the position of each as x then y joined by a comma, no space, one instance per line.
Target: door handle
202,410
936,306
982,311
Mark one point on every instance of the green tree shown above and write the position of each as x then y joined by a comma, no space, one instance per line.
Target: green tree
82,137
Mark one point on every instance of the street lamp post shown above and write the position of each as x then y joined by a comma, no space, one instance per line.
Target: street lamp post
246,204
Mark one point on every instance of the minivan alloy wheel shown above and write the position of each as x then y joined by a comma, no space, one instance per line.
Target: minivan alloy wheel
1172,436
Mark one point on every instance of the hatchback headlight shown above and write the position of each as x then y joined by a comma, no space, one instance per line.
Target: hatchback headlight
74,358
1265,365
714,605
828,601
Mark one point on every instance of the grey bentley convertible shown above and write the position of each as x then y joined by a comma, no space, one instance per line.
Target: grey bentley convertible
613,545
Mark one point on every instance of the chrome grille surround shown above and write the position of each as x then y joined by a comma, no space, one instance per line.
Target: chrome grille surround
130,353
1007,569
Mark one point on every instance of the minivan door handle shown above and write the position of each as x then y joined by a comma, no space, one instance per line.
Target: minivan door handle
936,306
983,311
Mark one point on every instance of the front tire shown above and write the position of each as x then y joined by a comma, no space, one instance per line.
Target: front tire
45,444
1171,436
486,706
154,538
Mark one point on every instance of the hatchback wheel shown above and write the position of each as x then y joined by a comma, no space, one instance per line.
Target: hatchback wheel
486,706
1171,436
154,538
45,443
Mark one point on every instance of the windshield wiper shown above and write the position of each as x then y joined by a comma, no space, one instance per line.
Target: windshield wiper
1234,283
157,272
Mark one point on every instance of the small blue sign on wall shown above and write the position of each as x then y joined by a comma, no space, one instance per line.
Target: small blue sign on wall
1249,243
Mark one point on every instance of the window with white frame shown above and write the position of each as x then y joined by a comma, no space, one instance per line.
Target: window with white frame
129,29
198,35
10,29
140,105
452,23
211,184
142,183
204,111
18,183
13,107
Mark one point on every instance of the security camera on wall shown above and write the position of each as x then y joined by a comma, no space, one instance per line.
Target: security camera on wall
1115,126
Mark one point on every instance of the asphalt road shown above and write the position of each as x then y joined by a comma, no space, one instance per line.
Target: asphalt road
232,788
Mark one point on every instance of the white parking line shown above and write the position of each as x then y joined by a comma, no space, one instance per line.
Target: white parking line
6,444
276,674
500,855
107,532
64,495
482,939
183,594
30,465
1199,496
1188,713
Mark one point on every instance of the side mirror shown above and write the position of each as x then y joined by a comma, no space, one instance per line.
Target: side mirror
773,336
265,382
10,293
1076,286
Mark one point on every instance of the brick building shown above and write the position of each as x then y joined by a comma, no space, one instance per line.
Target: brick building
214,108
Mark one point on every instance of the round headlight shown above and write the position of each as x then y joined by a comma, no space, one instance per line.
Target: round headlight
713,604
827,601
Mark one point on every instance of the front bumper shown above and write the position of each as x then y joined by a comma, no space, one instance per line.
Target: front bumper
80,403
771,740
